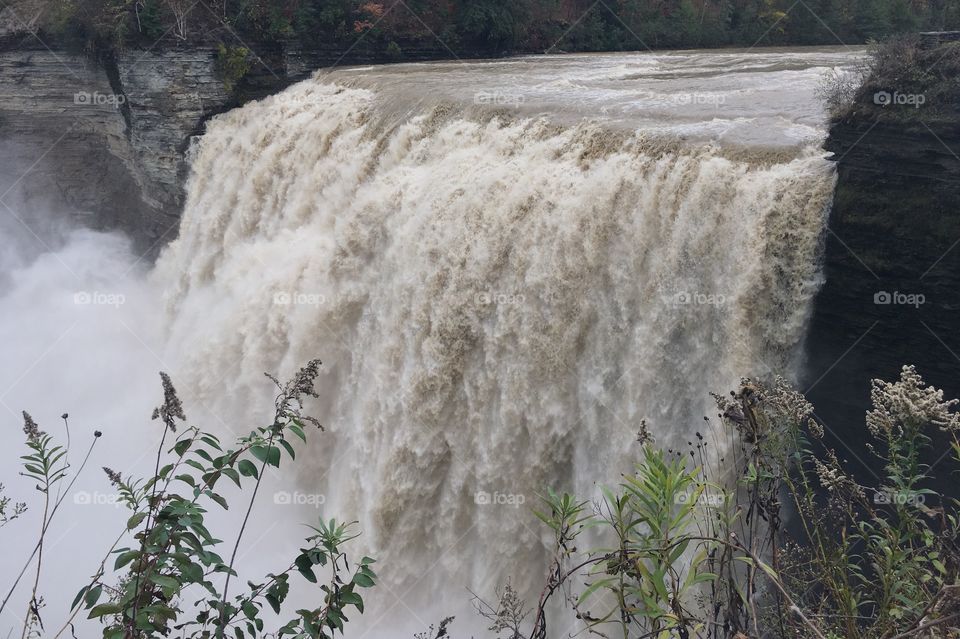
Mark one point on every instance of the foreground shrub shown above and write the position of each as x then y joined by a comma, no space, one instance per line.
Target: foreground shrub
694,543
754,530
136,591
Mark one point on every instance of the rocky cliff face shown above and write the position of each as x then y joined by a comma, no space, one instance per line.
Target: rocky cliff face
108,138
892,292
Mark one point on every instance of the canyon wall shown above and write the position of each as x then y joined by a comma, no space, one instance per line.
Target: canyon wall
107,138
892,269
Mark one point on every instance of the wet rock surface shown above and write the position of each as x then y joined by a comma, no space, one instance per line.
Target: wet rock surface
892,292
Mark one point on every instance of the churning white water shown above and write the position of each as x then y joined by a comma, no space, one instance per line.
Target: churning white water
504,266
501,285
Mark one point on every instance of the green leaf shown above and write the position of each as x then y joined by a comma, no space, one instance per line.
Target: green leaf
679,550
165,581
305,566
232,474
104,609
362,580
260,452
210,479
210,440
193,463
274,603
79,596
90,600
217,498
135,520
298,431
193,571
182,446
269,455
247,468
600,583
657,579
703,577
125,558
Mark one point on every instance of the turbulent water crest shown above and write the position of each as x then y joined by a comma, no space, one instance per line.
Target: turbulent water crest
498,302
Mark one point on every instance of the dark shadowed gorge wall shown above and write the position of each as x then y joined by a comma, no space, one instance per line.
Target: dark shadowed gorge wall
892,293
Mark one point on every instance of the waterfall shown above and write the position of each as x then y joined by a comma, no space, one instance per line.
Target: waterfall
498,299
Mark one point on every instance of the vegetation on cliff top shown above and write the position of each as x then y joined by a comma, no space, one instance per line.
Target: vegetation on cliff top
469,27
902,81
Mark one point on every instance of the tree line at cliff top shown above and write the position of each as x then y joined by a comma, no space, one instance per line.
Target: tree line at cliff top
485,27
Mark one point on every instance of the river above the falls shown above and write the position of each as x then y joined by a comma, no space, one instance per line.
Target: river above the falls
762,96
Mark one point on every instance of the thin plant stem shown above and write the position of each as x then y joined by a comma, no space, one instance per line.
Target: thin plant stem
99,574
53,512
243,526
146,530
776,582
33,608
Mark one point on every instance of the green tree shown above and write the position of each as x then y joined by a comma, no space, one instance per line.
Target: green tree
871,21
492,23
901,17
